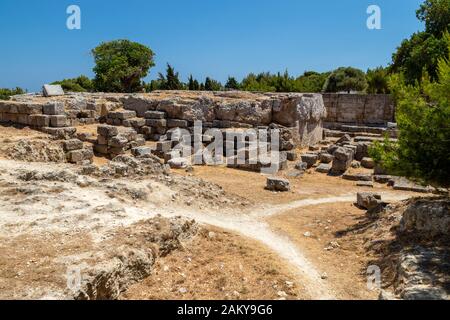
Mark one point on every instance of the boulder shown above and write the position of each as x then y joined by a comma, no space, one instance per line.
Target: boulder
178,163
427,217
368,163
72,144
302,166
368,200
141,151
278,184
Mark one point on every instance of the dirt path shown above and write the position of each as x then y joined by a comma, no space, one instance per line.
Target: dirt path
253,226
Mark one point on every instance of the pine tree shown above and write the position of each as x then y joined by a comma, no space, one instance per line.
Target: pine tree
232,84
191,83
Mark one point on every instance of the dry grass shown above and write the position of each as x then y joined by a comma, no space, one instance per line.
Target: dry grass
219,265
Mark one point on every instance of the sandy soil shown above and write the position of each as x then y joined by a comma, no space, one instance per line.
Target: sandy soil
220,265
258,251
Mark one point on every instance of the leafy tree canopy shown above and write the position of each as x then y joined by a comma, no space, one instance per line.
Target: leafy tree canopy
423,50
346,79
120,65
377,81
423,112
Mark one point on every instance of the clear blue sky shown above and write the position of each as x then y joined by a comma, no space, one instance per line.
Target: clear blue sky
213,38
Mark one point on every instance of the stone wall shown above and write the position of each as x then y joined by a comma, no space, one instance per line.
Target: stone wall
368,109
302,114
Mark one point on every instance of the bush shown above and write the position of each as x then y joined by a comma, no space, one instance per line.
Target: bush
5,93
120,65
80,84
423,112
345,79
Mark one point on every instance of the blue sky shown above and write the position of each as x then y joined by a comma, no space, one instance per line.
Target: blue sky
213,38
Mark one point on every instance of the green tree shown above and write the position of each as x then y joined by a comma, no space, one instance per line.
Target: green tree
377,81
436,16
311,81
232,84
423,112
212,85
171,81
346,79
120,65
423,50
5,93
193,84
153,85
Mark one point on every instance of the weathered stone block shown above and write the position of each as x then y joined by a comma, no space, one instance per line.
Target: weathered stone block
171,155
323,168
141,151
122,115
118,141
30,108
75,156
178,163
72,144
357,177
310,159
326,158
54,108
23,119
60,133
342,160
158,123
50,90
102,140
100,148
164,146
302,166
368,200
291,155
39,120
278,184
58,121
175,123
107,131
155,115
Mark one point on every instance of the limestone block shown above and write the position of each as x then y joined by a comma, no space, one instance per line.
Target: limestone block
54,108
52,90
58,121
39,120
107,131
72,144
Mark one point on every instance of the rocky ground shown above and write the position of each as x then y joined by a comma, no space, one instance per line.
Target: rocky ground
133,229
